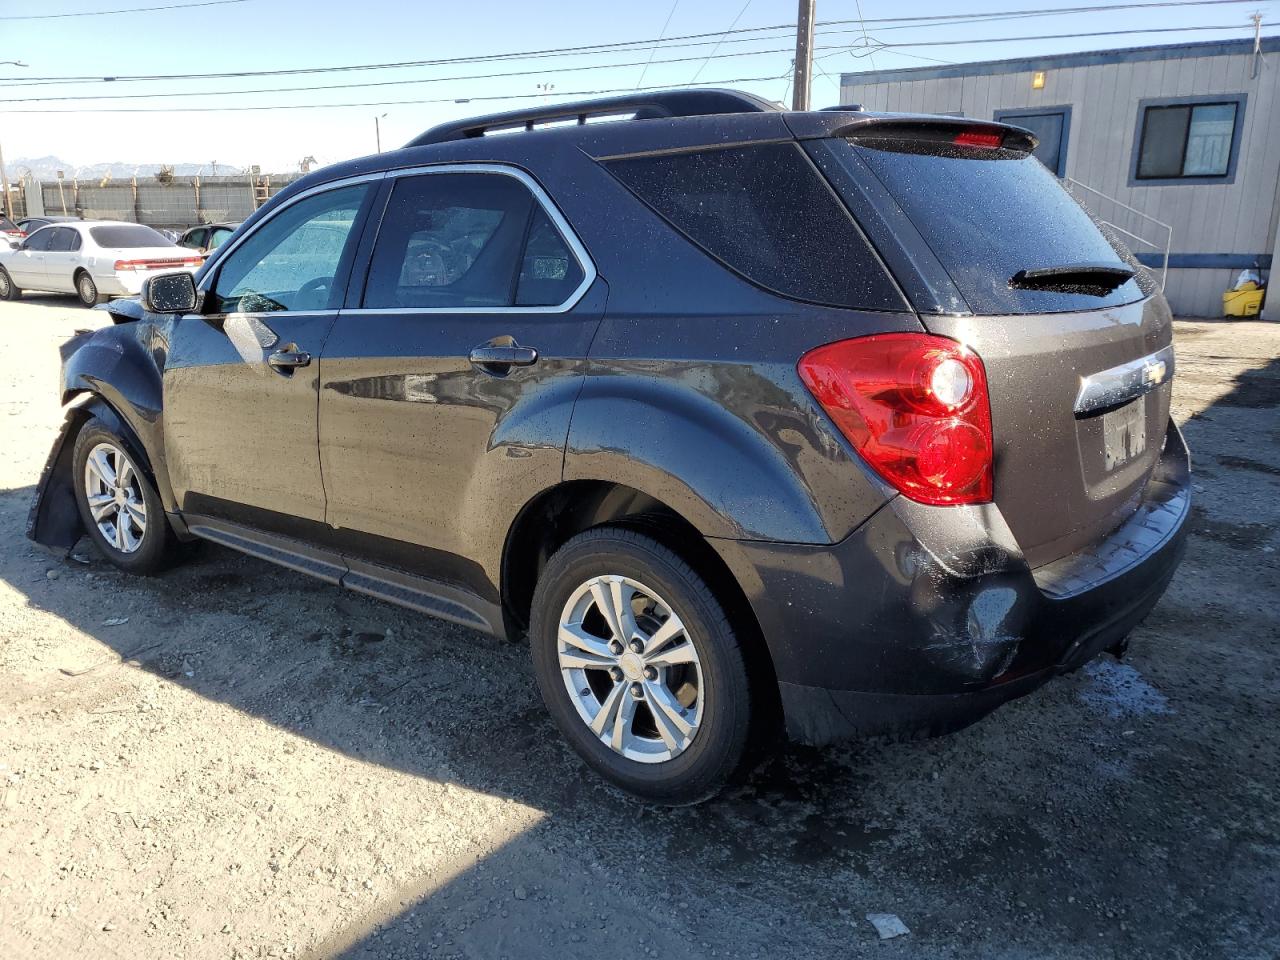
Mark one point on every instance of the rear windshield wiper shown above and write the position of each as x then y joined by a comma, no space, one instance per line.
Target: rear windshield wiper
1095,278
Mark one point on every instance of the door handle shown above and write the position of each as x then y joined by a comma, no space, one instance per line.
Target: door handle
503,357
286,360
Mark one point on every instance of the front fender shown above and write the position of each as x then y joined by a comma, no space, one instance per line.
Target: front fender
122,365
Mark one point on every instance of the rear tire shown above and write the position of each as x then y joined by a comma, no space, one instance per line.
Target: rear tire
666,719
8,289
130,527
87,290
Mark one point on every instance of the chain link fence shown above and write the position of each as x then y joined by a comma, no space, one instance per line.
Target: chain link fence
174,203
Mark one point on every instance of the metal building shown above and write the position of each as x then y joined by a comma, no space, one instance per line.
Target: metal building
1178,146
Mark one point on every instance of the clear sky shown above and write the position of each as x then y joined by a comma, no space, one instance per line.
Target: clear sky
286,34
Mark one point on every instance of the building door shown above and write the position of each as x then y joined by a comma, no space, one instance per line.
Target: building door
1051,127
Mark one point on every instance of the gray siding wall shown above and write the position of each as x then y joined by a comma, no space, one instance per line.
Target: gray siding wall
1237,218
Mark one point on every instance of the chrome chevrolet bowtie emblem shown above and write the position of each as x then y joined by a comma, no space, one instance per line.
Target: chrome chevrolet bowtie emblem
1153,373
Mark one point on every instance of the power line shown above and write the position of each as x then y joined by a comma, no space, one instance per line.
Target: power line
728,31
391,103
661,33
397,83
870,46
112,13
939,19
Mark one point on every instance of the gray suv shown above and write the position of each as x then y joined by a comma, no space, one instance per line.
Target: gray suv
750,421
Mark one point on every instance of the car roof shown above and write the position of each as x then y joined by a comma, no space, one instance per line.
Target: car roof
642,122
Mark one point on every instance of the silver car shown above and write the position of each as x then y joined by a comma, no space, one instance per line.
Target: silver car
94,259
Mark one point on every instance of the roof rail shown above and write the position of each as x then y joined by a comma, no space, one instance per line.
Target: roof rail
643,106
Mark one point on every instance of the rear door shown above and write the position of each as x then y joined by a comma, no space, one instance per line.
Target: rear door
1044,298
446,393
61,259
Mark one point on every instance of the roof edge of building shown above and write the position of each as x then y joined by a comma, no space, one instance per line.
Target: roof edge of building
1056,61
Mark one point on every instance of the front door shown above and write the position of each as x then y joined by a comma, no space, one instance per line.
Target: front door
26,266
240,381
446,393
1051,127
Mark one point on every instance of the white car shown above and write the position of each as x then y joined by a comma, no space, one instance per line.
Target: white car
94,259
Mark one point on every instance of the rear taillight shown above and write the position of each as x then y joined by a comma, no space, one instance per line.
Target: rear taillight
192,261
983,139
915,407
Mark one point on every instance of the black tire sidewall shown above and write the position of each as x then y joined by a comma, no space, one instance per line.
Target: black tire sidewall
155,550
718,748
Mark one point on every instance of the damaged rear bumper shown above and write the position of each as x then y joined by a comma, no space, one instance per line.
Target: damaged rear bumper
925,619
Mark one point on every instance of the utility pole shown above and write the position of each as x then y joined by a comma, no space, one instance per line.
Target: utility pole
6,207
804,56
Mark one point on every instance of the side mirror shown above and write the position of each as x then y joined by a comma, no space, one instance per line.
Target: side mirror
15,244
169,293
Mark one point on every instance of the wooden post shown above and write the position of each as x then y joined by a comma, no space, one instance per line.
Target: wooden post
6,206
804,56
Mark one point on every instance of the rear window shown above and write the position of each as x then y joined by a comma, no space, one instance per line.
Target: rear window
990,214
765,212
128,235
7,224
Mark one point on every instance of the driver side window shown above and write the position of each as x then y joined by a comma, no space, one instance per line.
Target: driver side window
39,241
292,260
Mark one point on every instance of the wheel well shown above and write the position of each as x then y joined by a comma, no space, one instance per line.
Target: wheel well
563,512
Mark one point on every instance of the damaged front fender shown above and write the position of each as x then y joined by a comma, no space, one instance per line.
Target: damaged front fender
54,519
113,374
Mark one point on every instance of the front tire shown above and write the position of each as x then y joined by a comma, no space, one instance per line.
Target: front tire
639,667
118,502
8,289
87,290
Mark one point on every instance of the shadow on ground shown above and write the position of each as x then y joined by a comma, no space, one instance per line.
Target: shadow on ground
1118,812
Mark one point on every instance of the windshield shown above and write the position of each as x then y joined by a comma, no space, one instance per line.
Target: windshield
993,217
127,235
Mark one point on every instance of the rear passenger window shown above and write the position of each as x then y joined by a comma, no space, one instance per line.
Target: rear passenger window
63,240
765,212
549,273
460,240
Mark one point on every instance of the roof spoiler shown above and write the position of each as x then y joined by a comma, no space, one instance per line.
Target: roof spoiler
639,106
905,128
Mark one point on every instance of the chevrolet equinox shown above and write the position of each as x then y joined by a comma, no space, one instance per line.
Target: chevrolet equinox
833,423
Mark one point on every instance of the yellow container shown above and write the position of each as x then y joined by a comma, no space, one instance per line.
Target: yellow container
1242,303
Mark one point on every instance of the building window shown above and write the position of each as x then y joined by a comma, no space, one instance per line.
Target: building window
1188,141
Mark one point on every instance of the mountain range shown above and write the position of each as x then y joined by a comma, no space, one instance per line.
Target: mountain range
46,168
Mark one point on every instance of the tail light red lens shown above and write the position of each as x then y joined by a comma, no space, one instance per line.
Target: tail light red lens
915,407
983,139
192,261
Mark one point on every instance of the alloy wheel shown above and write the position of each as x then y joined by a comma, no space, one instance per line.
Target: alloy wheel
631,668
4,284
114,495
88,290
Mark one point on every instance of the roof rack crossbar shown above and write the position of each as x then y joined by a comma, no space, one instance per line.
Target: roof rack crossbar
645,106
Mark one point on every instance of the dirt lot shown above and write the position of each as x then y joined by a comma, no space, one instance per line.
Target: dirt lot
233,761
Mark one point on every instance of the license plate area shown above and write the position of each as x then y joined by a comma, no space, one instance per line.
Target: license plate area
1124,434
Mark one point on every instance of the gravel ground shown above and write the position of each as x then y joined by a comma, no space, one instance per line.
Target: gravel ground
234,761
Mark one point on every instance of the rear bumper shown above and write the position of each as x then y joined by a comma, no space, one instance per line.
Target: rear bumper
927,618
